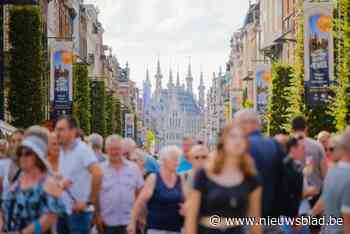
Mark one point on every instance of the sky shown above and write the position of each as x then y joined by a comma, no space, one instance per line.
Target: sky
176,31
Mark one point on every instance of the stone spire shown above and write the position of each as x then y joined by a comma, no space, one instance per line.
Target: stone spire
171,83
201,92
178,79
147,75
189,79
158,77
147,91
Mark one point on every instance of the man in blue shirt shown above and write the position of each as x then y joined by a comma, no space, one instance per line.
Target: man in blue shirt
185,163
268,156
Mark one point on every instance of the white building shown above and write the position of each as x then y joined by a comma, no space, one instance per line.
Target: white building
173,112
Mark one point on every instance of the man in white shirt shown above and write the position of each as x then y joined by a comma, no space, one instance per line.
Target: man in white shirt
82,179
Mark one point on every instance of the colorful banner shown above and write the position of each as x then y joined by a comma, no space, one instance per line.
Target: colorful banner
61,75
263,83
129,125
318,50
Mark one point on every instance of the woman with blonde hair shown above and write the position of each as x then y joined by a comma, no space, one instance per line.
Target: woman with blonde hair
227,187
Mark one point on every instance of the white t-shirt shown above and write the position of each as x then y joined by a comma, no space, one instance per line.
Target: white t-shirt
74,165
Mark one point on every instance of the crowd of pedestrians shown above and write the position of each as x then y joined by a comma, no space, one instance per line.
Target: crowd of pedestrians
63,182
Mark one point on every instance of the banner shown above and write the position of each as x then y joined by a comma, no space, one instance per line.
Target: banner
129,125
318,50
263,83
61,75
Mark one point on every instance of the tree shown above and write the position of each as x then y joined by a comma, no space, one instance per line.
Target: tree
81,97
25,67
279,100
98,108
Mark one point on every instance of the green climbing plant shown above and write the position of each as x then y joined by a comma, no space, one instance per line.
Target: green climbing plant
279,99
26,89
81,97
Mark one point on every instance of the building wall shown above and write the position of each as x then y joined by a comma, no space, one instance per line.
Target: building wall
289,15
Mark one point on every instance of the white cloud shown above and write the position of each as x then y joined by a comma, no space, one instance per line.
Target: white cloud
139,30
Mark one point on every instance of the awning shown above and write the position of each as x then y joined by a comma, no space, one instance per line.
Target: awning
6,128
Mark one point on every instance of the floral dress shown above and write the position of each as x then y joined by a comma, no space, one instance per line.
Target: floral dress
22,207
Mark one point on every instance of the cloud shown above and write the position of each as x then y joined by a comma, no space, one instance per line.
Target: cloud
139,30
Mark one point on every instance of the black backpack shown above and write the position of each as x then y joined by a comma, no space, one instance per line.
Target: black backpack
290,189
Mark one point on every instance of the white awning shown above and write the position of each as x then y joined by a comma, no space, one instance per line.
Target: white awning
6,128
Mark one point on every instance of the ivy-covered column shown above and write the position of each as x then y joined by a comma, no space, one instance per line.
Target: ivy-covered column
25,67
81,97
98,108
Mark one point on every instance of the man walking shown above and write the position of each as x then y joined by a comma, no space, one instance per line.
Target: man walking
121,183
336,190
82,179
314,162
268,158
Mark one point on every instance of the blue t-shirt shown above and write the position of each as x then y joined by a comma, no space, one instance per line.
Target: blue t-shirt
184,165
151,164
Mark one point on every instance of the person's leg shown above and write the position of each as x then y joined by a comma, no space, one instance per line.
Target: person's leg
80,223
62,225
121,230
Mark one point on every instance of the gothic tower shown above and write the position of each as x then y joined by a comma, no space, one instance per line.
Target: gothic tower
147,91
189,79
178,85
158,77
201,92
170,83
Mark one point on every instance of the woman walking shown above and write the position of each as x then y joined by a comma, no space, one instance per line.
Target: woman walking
228,187
164,197
31,204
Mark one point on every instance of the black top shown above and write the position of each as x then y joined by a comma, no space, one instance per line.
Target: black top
221,200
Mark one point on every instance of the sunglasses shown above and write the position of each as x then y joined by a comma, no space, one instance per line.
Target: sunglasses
25,152
203,157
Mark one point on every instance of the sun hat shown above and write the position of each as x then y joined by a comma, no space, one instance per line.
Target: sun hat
39,147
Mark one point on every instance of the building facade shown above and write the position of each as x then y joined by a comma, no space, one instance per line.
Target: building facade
173,113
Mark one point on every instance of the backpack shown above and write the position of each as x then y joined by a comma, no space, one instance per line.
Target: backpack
290,189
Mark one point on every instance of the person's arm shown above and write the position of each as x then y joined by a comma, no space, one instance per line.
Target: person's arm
254,209
345,208
97,175
141,201
310,191
323,164
139,182
46,222
193,204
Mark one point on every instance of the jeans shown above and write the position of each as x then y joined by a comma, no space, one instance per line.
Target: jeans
76,223
115,229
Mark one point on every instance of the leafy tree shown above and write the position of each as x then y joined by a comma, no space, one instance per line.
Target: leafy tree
279,100
98,108
81,97
25,67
